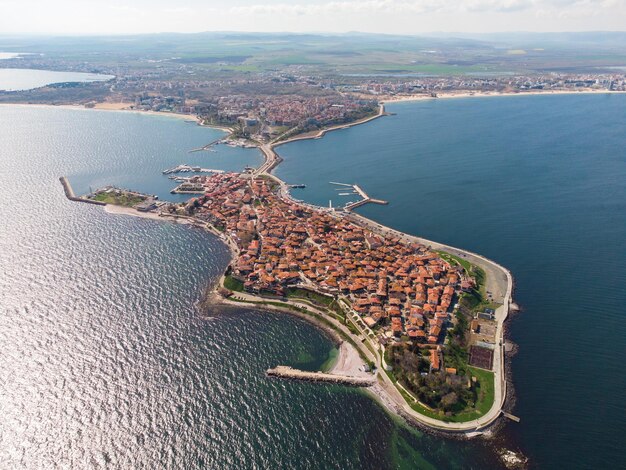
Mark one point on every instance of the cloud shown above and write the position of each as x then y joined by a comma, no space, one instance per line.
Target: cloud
347,6
557,7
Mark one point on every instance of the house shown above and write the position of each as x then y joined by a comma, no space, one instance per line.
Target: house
434,360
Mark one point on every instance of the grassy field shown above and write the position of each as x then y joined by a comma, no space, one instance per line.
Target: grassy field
233,284
125,200
324,300
486,394
456,260
207,55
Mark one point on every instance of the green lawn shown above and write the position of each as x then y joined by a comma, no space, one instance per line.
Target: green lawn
456,260
233,284
297,293
125,200
486,393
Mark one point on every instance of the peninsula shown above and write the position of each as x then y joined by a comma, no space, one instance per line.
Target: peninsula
425,319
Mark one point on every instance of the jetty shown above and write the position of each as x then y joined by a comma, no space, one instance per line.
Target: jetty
69,193
206,147
510,416
365,198
285,372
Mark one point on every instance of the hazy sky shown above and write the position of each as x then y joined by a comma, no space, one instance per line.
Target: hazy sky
385,16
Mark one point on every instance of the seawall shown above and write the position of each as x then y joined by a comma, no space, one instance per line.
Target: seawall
69,193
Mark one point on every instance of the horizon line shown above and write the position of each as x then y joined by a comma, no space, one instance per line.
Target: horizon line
304,33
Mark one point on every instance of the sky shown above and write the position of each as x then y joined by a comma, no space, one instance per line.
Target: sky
380,16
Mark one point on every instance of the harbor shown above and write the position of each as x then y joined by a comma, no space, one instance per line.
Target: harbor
356,189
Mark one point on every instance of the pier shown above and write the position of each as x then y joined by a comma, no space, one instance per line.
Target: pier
511,417
285,372
365,199
206,147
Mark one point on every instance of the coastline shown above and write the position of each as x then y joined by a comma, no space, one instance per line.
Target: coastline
115,109
348,360
489,94
319,134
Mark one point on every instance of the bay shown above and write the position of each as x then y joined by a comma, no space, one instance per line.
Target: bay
27,79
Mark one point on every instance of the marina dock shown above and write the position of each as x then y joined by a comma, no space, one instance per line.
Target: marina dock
365,199
190,169
285,372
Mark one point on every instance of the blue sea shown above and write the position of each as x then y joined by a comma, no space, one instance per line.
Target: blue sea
538,184
106,358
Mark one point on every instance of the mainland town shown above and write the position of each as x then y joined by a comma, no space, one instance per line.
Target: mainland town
281,106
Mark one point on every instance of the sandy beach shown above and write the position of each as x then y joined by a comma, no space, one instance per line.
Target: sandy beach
348,362
119,210
113,106
485,94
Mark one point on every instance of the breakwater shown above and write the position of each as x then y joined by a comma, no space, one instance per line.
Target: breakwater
69,193
285,372
364,197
